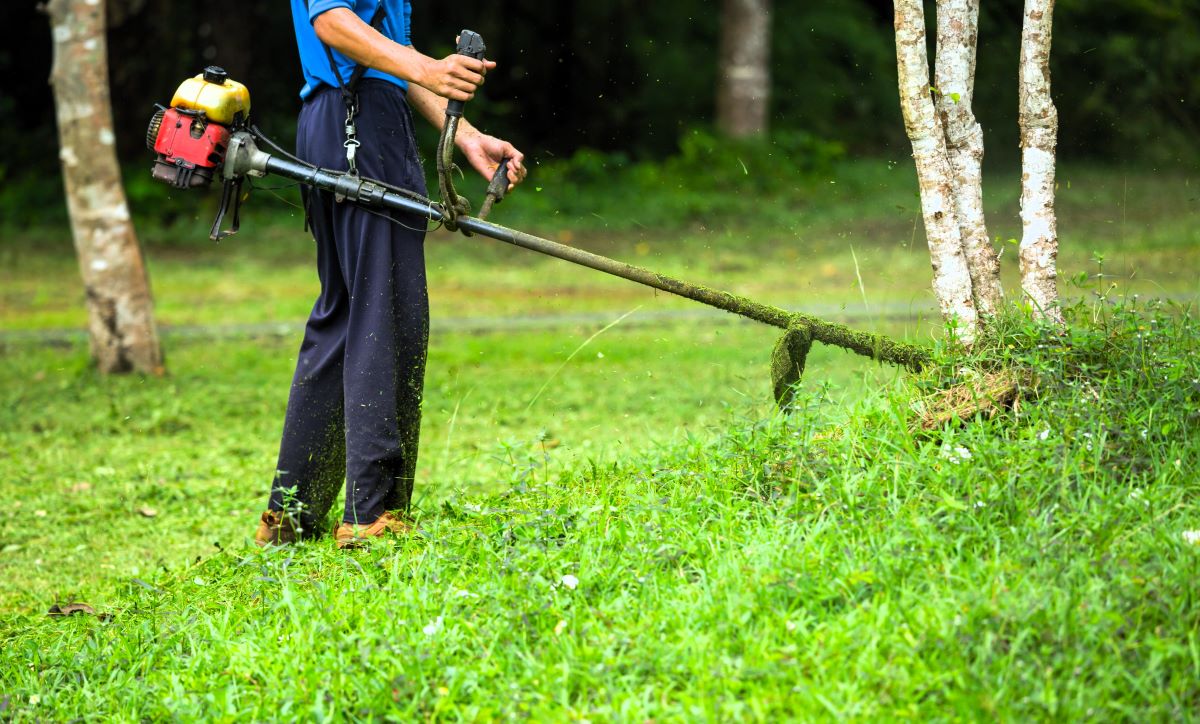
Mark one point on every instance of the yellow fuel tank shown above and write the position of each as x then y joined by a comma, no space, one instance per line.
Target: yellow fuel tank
222,100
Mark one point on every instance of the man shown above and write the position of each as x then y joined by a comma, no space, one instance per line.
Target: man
355,405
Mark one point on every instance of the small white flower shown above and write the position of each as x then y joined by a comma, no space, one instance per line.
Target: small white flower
433,627
1044,434
956,454
570,581
560,627
1192,537
463,593
789,625
980,504
35,699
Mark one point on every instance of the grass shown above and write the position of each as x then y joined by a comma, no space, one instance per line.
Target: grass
731,563
198,447
822,565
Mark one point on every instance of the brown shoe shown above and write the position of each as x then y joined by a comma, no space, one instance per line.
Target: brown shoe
349,535
276,528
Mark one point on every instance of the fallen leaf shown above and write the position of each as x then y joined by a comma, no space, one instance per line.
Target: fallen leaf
81,487
147,512
70,609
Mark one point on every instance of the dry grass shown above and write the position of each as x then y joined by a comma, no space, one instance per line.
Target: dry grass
985,393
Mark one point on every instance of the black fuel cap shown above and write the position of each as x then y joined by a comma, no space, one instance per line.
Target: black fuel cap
215,74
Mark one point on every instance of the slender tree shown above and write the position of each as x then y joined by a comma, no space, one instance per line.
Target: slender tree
951,274
744,86
1039,137
120,308
954,75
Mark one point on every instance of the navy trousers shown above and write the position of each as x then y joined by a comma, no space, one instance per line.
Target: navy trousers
354,411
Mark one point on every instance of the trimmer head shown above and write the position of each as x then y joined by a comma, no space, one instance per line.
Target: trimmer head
787,363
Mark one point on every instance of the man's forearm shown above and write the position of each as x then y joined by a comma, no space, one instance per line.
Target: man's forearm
455,76
432,108
346,33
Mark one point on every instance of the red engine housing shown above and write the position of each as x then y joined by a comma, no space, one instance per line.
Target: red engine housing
190,148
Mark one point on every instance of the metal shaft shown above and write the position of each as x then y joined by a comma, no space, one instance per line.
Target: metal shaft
870,345
244,157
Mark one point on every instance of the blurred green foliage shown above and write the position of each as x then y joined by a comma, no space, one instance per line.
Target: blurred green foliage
707,179
632,80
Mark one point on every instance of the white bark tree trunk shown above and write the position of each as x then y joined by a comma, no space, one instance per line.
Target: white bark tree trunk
120,308
1039,136
954,76
951,275
744,85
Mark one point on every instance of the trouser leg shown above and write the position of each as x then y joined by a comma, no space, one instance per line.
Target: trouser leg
386,340
312,452
371,338
388,327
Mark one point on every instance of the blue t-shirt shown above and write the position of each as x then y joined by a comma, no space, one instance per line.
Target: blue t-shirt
312,51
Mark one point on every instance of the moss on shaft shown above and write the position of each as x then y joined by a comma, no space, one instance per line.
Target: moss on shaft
875,346
787,363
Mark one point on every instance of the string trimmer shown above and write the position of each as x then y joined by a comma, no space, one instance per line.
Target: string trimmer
206,134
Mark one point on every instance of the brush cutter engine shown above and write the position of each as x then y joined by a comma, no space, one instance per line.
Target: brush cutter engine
189,147
192,135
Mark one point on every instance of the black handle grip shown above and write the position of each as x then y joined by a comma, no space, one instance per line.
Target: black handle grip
470,44
499,184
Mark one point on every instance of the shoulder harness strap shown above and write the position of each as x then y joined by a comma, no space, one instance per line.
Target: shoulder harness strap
349,90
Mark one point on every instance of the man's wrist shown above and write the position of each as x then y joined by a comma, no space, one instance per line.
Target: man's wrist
466,133
421,67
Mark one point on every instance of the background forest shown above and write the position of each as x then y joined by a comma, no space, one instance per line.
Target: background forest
630,79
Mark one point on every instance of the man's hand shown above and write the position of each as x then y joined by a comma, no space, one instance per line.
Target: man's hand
454,77
486,152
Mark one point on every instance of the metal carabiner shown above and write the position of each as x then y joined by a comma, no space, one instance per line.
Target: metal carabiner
351,145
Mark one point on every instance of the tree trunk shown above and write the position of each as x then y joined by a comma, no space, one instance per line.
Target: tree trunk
120,308
954,75
744,86
1039,136
951,276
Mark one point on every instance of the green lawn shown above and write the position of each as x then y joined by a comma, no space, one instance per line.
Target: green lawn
731,563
